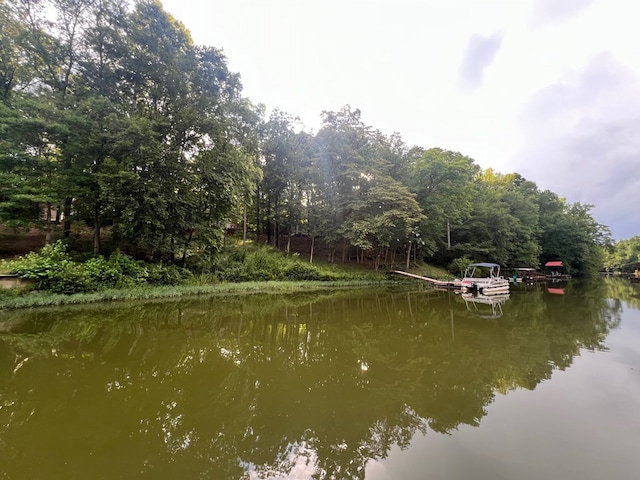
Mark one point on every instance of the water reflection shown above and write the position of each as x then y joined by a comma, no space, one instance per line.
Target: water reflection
271,386
474,303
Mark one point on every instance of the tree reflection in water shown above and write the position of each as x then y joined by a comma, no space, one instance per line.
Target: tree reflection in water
270,386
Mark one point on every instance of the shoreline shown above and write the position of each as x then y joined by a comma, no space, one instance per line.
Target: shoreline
45,299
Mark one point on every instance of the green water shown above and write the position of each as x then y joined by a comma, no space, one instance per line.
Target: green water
377,384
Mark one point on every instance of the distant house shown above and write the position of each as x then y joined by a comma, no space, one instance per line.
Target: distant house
51,213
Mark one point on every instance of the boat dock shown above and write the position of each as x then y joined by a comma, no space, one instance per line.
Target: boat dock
449,285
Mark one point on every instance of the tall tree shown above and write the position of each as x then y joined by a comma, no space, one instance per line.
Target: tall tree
12,62
281,152
344,149
503,225
187,148
365,206
569,233
386,214
444,184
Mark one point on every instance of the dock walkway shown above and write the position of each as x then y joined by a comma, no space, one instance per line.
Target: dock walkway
453,284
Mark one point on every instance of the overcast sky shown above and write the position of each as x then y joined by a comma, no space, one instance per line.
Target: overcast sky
549,89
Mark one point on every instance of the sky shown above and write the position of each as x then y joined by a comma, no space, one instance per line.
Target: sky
549,89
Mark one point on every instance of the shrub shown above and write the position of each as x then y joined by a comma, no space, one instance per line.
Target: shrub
102,273
236,273
263,265
243,265
159,274
458,265
302,271
133,272
70,278
53,270
263,275
118,271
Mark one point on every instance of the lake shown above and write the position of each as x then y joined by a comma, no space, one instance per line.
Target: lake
378,383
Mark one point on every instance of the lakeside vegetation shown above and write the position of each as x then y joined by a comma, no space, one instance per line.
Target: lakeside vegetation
15,300
57,278
113,120
624,256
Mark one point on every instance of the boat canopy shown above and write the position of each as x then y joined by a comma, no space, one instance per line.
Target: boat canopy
553,263
490,265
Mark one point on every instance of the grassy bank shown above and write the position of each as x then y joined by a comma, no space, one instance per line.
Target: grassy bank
58,278
15,300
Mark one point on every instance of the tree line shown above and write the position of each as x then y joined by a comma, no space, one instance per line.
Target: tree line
112,118
624,256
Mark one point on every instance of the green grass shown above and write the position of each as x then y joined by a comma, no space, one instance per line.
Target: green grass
15,300
236,270
431,271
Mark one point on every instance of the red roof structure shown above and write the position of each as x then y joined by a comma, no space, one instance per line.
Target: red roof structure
553,263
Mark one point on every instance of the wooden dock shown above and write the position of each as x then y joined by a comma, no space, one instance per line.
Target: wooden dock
449,285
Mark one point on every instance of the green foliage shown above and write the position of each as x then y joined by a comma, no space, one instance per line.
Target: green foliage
13,299
52,269
444,184
236,274
624,255
304,271
160,274
458,265
264,264
117,271
570,233
259,265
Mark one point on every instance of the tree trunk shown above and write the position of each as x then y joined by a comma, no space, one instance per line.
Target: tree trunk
276,225
313,242
332,254
408,255
96,229
244,225
257,214
66,229
97,241
186,247
269,221
48,235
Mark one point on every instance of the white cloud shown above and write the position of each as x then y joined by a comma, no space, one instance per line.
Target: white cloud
547,11
582,141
